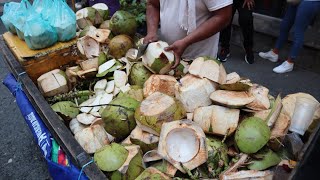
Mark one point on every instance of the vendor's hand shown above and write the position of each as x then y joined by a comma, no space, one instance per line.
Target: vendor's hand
249,4
178,48
150,38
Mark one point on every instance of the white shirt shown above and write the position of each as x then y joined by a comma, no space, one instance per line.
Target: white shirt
170,30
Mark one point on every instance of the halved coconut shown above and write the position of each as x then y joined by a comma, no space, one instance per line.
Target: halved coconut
110,87
157,109
208,68
92,138
194,92
152,173
233,99
102,9
75,126
53,83
261,101
85,17
120,78
85,118
105,67
160,83
217,119
132,54
183,144
232,78
156,59
139,74
145,140
251,174
100,86
88,47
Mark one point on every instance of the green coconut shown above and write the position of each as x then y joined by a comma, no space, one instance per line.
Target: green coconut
217,156
267,158
111,157
87,30
157,109
132,167
119,120
102,9
123,22
136,92
252,134
119,45
86,17
152,173
139,74
145,140
67,109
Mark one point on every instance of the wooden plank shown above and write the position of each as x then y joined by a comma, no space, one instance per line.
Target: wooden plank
57,128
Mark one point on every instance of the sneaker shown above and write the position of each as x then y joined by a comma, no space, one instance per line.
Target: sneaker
284,67
270,55
223,54
249,57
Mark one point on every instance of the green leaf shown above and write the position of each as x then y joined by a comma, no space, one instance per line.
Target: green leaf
66,108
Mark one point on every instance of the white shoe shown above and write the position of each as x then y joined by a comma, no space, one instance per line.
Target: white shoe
270,55
284,67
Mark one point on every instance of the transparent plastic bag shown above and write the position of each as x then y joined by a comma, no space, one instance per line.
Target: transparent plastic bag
25,9
38,33
63,20
9,10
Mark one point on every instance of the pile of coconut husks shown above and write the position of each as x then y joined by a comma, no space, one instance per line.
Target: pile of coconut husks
141,120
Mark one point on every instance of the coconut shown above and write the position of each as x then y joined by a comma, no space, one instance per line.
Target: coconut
92,138
89,64
145,140
119,120
53,83
261,101
88,16
125,88
241,85
75,126
132,54
110,86
160,83
157,109
111,157
105,67
183,144
266,158
208,68
165,167
152,173
88,47
190,116
217,119
244,175
156,59
102,9
218,160
88,30
100,85
251,135
132,167
123,22
116,91
181,70
101,35
281,126
275,112
119,45
85,118
233,99
194,92
66,109
232,78
135,92
139,74
120,78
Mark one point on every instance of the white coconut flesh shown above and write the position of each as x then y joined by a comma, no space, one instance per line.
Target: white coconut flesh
116,91
106,98
132,54
85,118
232,78
96,103
182,145
106,66
120,78
95,114
110,87
232,98
125,88
156,104
75,126
250,174
100,85
160,83
143,136
261,101
86,103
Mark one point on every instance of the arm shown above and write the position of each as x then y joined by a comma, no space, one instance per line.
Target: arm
153,19
219,20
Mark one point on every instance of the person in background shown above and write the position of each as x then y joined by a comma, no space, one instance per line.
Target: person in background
244,8
190,27
299,17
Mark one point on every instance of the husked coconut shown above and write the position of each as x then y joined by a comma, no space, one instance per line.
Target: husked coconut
157,109
145,140
261,101
208,68
152,173
100,85
132,54
85,118
53,83
92,138
120,78
110,87
245,175
183,144
75,126
217,119
88,47
160,83
231,98
156,59
194,92
232,78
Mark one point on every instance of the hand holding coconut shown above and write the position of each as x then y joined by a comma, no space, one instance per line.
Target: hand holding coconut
178,48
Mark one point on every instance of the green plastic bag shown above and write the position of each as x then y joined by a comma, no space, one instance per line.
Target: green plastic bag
9,10
63,20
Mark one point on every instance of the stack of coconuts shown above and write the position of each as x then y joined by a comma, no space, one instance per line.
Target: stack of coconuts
142,120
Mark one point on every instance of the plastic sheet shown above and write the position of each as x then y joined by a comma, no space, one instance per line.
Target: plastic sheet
8,11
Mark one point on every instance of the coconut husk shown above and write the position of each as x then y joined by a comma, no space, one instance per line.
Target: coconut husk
132,54
194,92
233,99
145,140
139,74
232,78
90,73
85,118
53,83
160,83
261,101
71,73
75,126
152,173
89,64
105,67
247,175
88,47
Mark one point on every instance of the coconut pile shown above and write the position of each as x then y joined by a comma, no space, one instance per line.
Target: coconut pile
140,119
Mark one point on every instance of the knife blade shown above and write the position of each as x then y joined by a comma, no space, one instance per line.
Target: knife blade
142,49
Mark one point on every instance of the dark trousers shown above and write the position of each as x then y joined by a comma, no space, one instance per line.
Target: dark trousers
246,25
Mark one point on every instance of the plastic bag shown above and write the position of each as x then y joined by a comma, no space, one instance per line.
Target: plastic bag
25,10
45,8
63,20
38,33
8,12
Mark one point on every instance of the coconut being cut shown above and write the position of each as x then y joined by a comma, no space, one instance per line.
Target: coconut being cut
194,92
217,119
157,109
233,99
208,68
156,59
145,140
183,144
53,83
261,101
160,83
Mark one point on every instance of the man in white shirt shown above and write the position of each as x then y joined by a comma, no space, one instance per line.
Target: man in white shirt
190,27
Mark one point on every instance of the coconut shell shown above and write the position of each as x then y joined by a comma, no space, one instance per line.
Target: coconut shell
135,92
268,159
157,109
53,83
194,92
261,101
217,119
145,140
233,99
139,74
119,45
244,175
232,78
183,144
152,173
160,83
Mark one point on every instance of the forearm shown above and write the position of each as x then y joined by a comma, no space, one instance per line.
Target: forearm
220,19
153,16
